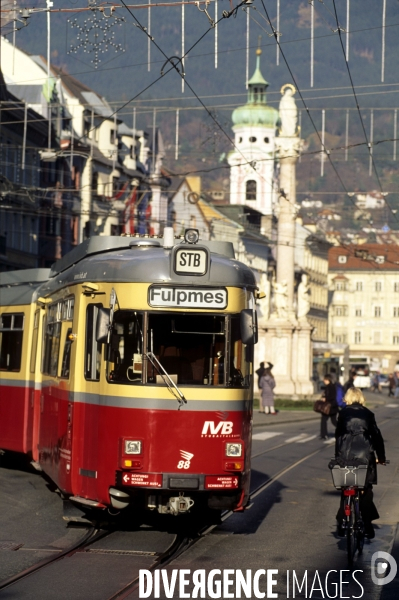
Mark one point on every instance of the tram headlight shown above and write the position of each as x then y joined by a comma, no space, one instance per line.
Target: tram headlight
233,449
191,236
132,447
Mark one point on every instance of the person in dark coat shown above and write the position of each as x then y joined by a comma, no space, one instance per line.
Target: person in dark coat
330,395
391,384
357,438
267,385
351,381
259,372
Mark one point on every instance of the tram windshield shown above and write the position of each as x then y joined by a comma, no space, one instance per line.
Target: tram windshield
194,349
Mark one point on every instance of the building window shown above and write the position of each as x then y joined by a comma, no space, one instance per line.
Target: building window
250,190
377,337
358,337
342,259
377,311
112,136
341,311
378,286
340,338
340,285
396,286
395,339
359,286
252,139
358,312
266,140
240,140
396,311
94,182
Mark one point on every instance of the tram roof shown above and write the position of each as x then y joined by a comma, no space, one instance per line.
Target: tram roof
17,288
103,244
9,278
114,259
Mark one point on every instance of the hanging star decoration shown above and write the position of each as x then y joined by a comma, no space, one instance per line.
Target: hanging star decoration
96,35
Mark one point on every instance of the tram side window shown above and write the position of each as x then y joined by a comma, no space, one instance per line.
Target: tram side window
66,357
11,334
126,348
93,348
51,348
34,342
241,357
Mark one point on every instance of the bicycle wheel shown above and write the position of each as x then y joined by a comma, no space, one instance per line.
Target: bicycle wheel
351,541
358,526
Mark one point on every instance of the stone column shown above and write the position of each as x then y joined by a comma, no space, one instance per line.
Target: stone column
287,337
289,152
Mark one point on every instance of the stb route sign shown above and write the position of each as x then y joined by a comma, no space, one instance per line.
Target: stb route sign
191,261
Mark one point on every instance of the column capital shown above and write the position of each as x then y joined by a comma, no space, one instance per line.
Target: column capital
288,148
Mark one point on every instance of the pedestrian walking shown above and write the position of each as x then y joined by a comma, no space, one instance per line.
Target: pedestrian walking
375,384
396,380
329,396
357,439
391,384
259,372
333,374
267,384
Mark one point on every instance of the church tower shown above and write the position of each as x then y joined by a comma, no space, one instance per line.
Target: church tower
254,126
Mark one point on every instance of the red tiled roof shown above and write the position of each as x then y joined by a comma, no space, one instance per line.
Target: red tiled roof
364,257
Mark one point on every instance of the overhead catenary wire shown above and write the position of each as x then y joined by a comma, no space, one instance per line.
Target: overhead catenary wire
372,161
229,51
182,74
303,101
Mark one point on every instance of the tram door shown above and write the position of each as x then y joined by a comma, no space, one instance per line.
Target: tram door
87,441
55,435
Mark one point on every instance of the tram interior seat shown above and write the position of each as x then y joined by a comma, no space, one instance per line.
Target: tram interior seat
178,365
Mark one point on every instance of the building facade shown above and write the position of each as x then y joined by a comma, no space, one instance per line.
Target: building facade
364,302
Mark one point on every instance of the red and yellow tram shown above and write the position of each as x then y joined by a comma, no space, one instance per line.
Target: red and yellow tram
127,372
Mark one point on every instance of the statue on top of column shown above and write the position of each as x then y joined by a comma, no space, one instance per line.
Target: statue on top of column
288,111
303,297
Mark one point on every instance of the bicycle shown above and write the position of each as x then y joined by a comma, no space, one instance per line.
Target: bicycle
351,481
354,523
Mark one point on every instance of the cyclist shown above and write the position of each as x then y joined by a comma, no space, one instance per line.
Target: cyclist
357,440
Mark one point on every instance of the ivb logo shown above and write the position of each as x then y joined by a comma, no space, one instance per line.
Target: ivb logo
383,568
212,429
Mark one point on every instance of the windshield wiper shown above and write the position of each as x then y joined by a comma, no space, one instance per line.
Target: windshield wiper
172,387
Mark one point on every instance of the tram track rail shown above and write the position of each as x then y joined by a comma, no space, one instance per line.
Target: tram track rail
92,535
178,547
180,544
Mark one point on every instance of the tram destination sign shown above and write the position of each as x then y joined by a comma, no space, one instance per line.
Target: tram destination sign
186,297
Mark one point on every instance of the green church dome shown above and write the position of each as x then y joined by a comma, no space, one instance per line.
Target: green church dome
256,111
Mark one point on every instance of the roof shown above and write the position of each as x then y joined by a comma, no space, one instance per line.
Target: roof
29,93
364,257
257,78
97,104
